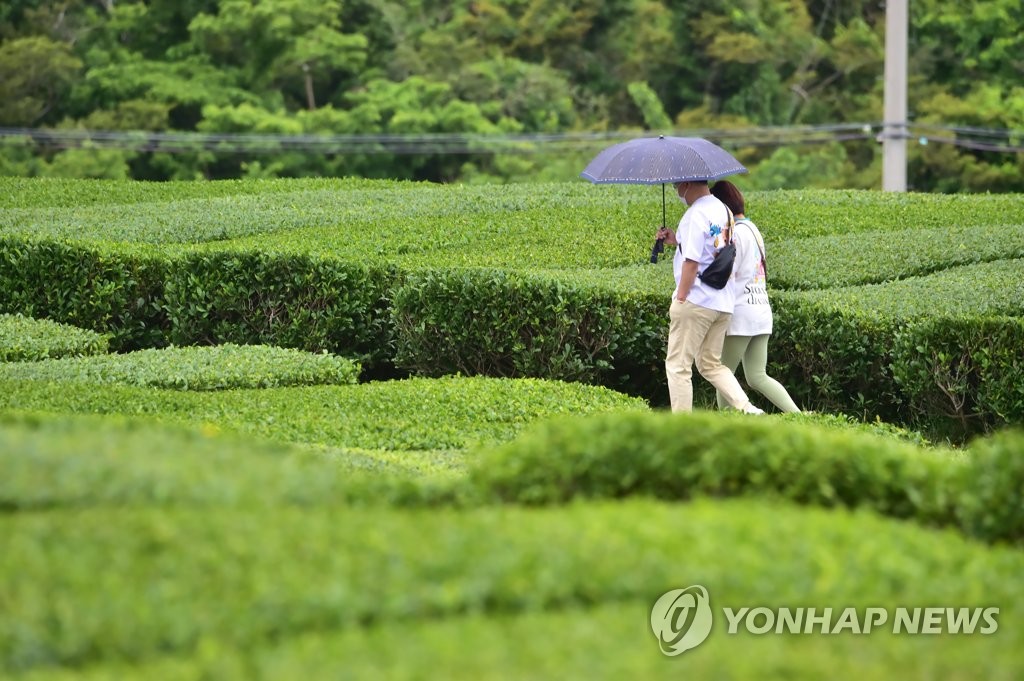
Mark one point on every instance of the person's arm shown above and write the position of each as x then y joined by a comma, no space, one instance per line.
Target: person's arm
687,279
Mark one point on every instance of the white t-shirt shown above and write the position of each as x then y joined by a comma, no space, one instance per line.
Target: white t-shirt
752,315
700,237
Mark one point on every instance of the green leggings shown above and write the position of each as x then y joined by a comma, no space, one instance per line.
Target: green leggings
753,352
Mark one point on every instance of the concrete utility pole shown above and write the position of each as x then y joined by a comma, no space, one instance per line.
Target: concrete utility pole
894,131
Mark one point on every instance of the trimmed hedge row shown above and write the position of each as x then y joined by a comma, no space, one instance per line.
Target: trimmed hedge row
117,291
840,355
288,301
575,643
144,299
84,461
24,339
117,586
326,279
825,262
503,218
952,374
401,415
679,457
498,324
219,367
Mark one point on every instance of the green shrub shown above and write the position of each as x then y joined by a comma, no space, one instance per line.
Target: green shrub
835,358
847,259
491,323
673,456
414,414
979,290
961,375
289,301
990,503
24,339
119,586
221,367
109,290
90,461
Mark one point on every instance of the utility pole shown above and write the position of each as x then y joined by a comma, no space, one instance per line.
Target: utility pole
894,130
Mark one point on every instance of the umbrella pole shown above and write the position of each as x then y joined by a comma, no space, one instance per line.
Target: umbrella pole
663,205
659,244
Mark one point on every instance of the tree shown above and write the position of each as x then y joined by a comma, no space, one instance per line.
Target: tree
287,43
34,73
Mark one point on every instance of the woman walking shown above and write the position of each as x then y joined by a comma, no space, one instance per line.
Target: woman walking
746,339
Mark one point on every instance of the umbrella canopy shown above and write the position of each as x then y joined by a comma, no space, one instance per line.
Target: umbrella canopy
657,160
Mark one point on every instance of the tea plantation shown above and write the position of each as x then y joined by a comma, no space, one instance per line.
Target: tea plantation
369,429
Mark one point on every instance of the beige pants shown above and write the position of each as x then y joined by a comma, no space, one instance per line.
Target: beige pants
696,333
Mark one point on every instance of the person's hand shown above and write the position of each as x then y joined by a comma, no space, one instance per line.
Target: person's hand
667,234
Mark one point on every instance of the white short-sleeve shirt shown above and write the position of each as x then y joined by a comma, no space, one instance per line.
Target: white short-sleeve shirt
700,236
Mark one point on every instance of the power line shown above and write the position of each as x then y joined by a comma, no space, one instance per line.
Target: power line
979,139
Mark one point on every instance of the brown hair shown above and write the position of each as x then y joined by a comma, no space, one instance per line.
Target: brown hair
728,194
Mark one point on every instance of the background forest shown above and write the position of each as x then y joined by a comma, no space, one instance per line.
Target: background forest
503,90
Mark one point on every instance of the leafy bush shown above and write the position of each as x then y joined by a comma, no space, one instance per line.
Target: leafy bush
961,375
289,301
878,256
835,358
496,324
109,290
120,586
25,339
672,456
990,503
414,414
221,367
983,289
51,461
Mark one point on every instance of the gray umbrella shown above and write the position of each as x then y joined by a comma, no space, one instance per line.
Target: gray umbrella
661,160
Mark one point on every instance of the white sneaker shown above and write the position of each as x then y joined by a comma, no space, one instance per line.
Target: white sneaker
751,409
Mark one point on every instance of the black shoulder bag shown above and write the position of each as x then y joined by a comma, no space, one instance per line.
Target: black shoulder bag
716,275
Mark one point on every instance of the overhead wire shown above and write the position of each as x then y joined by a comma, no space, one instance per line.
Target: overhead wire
978,139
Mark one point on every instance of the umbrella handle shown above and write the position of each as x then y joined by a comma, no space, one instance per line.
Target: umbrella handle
659,247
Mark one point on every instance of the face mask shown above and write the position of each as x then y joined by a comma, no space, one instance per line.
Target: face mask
682,200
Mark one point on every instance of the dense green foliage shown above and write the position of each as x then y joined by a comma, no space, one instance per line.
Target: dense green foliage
412,414
385,68
25,339
681,457
221,367
54,461
138,550
491,527
904,307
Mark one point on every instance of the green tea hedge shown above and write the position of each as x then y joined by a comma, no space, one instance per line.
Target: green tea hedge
51,461
123,586
680,457
25,339
108,289
401,415
887,254
371,270
220,367
289,301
